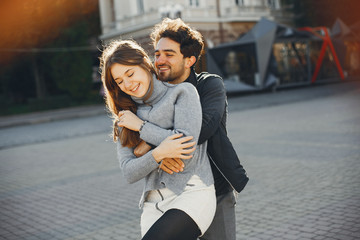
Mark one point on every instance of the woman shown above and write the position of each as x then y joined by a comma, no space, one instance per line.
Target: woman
178,206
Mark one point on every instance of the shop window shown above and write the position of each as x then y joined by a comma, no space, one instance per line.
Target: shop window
240,65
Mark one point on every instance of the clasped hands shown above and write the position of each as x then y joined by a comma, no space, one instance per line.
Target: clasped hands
170,152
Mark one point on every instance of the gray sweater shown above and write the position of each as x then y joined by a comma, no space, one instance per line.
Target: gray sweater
170,109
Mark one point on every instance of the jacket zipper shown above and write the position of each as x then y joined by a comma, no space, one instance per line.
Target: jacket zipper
221,172
236,193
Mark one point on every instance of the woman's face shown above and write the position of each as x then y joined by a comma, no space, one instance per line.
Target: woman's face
132,80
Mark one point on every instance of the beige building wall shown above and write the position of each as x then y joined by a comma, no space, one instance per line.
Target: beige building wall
219,21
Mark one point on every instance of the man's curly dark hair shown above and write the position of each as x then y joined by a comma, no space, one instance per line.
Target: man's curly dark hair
191,41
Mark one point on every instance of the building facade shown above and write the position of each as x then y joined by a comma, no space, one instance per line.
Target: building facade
218,21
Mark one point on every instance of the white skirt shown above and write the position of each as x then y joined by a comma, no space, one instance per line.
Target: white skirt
197,200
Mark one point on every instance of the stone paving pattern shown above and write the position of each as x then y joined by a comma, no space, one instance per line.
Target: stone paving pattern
301,148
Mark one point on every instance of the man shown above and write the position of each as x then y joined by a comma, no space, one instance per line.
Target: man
177,49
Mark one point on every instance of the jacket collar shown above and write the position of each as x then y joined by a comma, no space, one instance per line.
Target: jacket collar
192,78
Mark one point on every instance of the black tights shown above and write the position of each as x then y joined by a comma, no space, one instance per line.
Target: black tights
174,224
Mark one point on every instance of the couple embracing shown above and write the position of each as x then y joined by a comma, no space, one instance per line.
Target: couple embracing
170,129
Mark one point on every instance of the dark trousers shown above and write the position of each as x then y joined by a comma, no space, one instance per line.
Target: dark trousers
223,226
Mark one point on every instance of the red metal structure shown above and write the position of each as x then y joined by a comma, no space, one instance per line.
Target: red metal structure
326,43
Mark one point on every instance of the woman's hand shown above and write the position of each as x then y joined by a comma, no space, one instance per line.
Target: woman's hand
129,120
174,146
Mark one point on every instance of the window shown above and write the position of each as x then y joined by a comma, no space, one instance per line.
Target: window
240,66
194,3
290,62
112,7
239,2
140,4
274,4
177,14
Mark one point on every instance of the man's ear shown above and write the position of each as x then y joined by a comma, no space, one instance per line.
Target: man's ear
190,61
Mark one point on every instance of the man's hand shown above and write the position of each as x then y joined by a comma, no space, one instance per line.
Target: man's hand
171,165
141,149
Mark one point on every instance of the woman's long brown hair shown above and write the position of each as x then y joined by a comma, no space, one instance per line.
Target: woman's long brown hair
129,53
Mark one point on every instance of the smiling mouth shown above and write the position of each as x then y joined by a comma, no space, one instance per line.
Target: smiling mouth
163,69
135,88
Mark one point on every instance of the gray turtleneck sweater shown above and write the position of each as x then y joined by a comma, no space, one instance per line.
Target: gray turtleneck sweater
170,109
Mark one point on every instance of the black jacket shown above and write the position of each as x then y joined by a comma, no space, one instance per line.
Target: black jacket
225,163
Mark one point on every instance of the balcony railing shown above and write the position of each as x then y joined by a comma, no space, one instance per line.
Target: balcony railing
247,11
136,20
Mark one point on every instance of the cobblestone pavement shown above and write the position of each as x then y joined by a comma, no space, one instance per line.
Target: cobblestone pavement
303,160
60,180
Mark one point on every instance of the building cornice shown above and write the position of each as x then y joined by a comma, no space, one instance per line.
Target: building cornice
226,20
151,24
129,29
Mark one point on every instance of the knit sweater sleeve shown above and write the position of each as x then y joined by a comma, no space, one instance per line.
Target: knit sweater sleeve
133,168
187,117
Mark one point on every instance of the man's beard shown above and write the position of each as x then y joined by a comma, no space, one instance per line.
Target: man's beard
164,78
170,77
173,74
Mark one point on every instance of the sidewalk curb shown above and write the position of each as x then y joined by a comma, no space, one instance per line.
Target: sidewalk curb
53,115
236,103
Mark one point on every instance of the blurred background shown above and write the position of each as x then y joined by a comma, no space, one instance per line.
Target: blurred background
49,49
291,71
48,53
